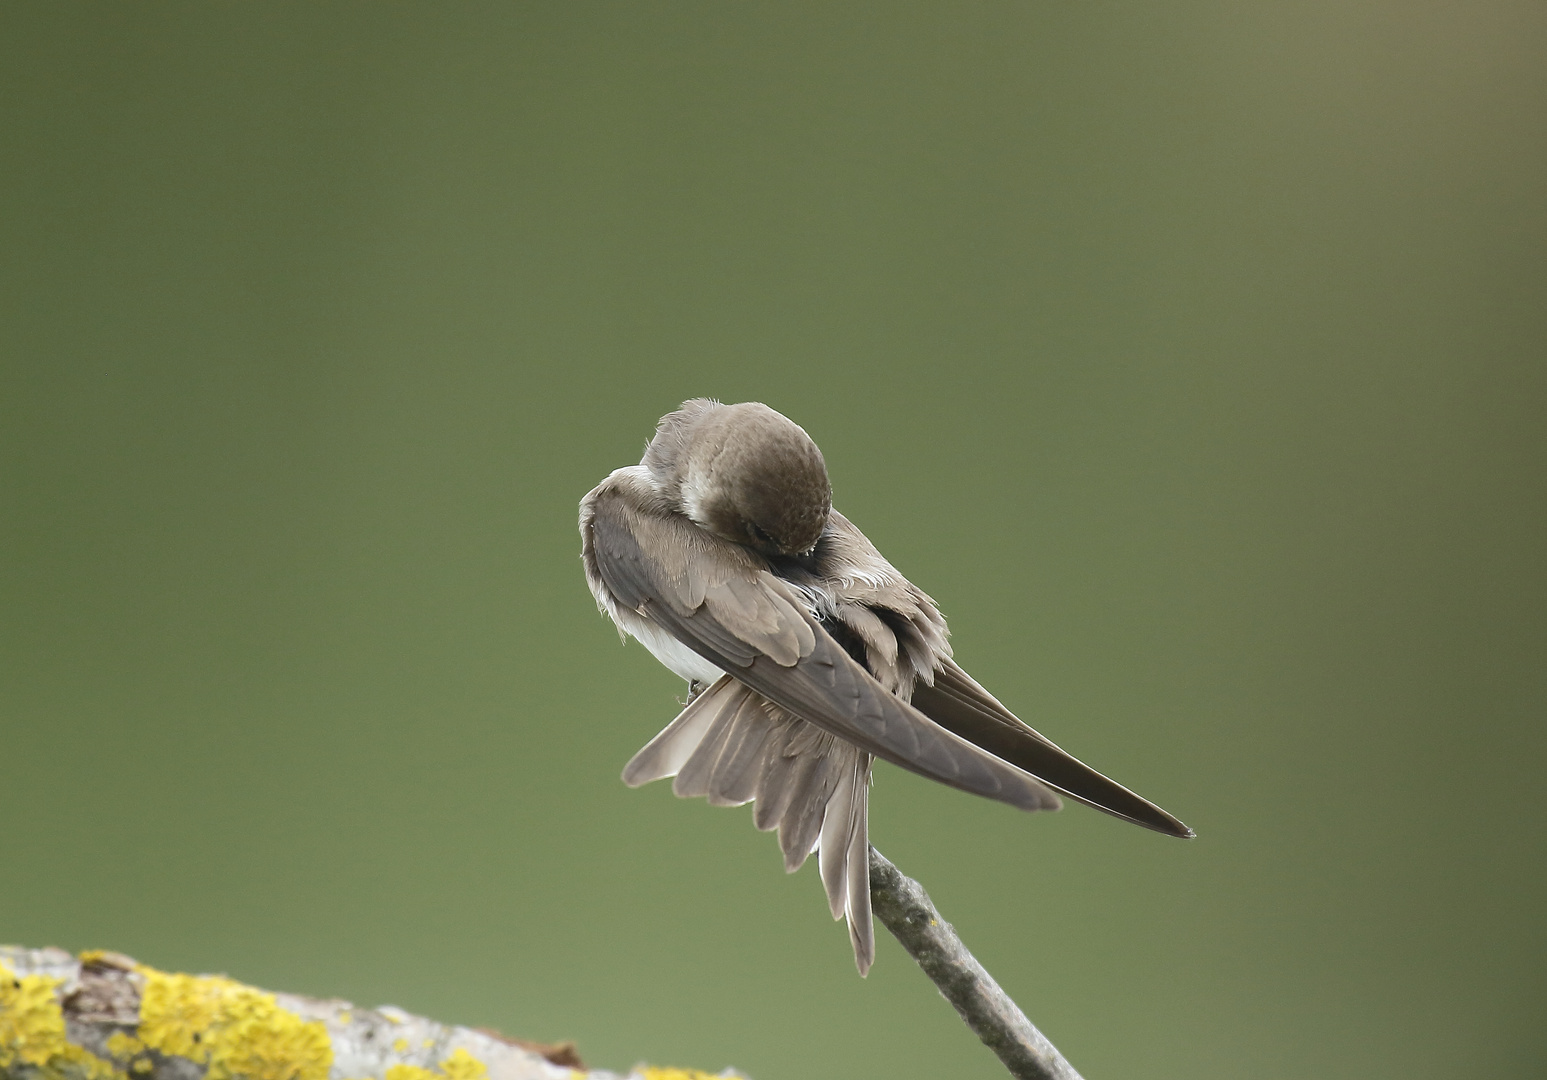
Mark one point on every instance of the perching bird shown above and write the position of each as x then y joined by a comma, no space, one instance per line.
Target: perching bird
805,651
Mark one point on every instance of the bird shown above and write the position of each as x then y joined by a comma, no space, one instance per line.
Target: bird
807,654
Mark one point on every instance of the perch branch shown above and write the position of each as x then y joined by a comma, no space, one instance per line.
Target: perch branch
902,904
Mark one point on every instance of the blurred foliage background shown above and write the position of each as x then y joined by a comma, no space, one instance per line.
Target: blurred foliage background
1191,355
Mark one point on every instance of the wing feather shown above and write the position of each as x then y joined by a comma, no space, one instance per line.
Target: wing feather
957,702
818,682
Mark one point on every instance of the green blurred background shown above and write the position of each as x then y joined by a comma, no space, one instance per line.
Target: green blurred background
1193,356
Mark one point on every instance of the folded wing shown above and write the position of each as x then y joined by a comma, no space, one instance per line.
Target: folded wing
723,605
959,704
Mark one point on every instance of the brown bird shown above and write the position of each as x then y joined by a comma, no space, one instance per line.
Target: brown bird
805,651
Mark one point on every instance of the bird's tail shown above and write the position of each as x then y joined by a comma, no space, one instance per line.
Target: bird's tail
734,746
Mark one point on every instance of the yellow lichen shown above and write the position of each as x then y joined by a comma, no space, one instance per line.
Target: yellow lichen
77,1063
32,1031
464,1066
459,1066
127,1051
400,1046
238,1031
123,1046
270,1043
31,1023
653,1072
409,1072
179,1012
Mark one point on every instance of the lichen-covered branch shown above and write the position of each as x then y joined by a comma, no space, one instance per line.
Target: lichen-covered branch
101,1016
904,907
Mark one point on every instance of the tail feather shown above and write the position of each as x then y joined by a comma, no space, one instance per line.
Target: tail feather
775,786
845,857
833,847
800,827
693,778
734,781
861,929
733,745
668,752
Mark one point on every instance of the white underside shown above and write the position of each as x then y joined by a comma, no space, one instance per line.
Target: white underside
677,657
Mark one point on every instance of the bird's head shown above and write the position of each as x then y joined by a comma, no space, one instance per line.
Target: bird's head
743,472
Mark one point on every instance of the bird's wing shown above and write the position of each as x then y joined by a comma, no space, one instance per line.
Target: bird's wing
959,704
722,603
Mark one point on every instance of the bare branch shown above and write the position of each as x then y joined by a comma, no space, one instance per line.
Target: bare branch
903,905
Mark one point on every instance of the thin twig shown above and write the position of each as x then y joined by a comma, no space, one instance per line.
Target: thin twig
903,905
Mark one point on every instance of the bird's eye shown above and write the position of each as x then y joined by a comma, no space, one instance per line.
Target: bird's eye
759,534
